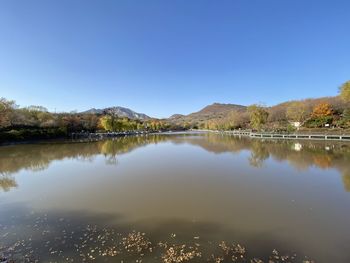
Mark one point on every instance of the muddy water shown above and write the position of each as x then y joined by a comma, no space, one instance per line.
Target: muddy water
175,198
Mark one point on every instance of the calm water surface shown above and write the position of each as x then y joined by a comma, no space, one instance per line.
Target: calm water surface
143,198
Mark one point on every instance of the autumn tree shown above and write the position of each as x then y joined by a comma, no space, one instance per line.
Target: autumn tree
323,109
156,125
258,116
297,111
72,122
346,114
321,115
35,116
113,123
6,109
277,114
232,120
90,122
110,123
344,122
345,91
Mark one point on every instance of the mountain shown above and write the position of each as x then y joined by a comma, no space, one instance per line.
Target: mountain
176,116
120,111
215,110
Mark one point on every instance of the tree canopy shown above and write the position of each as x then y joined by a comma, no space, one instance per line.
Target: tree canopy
297,111
258,116
345,91
323,109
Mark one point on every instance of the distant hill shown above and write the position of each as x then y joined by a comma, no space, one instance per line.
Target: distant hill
120,111
215,110
176,116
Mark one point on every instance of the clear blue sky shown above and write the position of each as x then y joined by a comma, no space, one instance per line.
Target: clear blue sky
165,57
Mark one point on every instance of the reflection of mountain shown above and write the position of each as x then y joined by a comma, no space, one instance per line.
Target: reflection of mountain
301,155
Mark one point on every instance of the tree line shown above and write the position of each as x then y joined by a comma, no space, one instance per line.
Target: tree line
37,122
333,112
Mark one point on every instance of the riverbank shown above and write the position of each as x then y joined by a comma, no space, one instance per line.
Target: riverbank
31,134
73,137
48,134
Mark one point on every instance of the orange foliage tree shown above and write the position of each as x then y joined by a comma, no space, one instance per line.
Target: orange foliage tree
323,109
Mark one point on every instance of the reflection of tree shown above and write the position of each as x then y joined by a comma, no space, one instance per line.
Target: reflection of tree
38,157
346,180
323,161
111,148
320,154
215,143
323,155
6,183
258,154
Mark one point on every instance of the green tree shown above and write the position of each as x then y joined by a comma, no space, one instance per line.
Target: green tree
258,116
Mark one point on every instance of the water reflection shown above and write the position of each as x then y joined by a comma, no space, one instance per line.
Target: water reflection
36,157
258,154
179,189
301,155
7,182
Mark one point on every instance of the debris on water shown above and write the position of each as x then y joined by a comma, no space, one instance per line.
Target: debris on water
256,260
180,253
225,247
136,242
60,241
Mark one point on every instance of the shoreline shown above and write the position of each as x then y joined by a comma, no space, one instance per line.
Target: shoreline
93,137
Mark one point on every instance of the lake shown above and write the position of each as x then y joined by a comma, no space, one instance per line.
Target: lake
182,197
